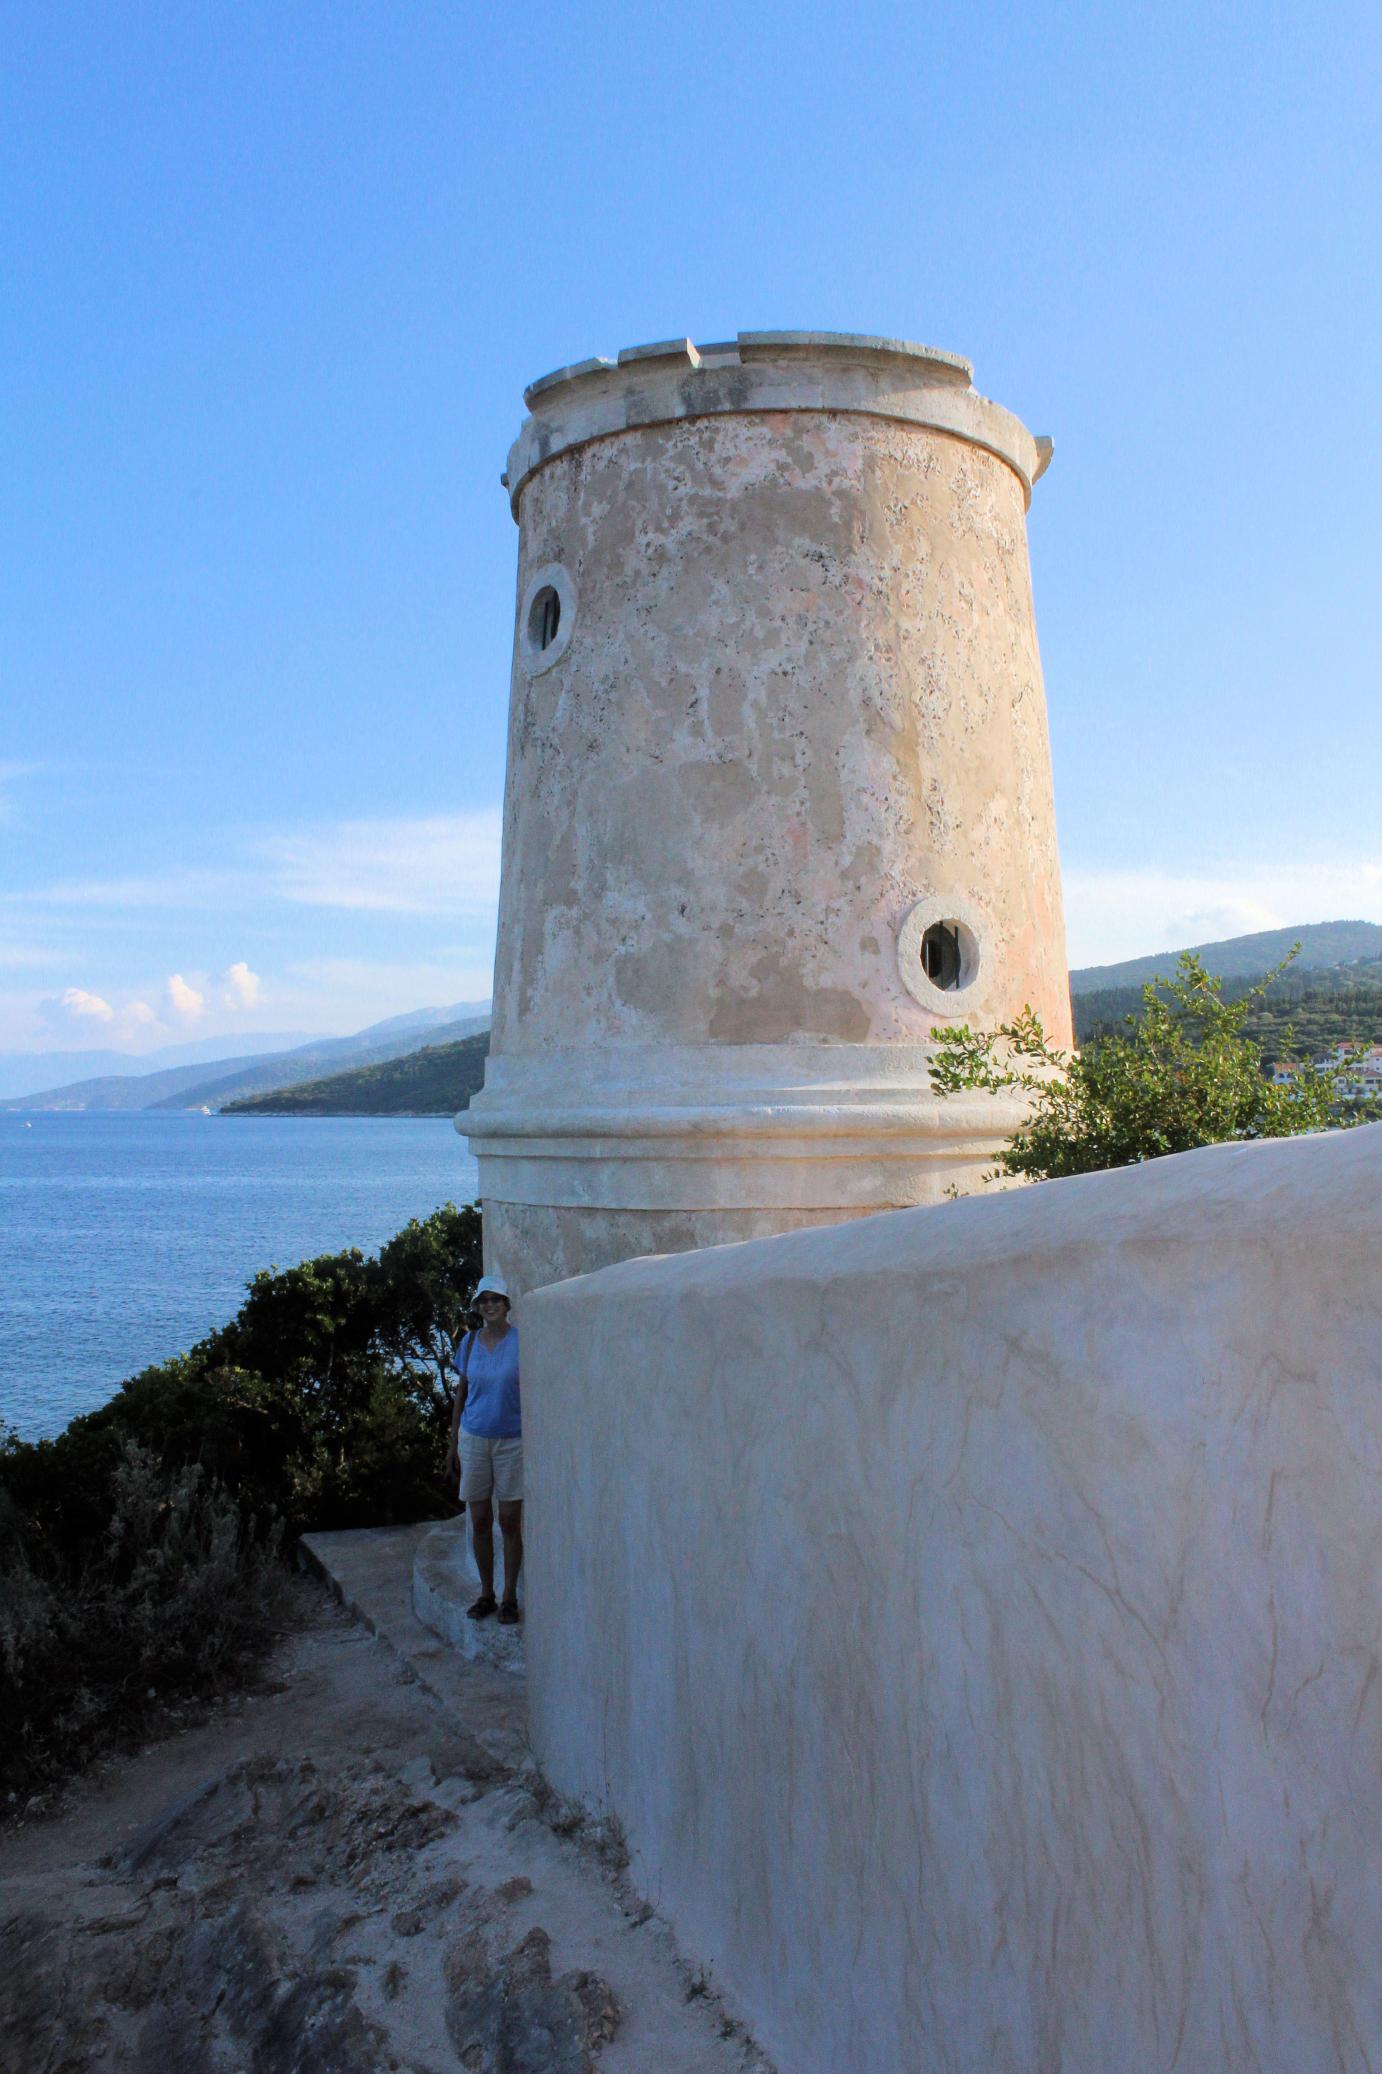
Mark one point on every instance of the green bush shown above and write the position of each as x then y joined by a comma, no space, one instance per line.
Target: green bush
323,1402
136,1548
1181,1074
180,1592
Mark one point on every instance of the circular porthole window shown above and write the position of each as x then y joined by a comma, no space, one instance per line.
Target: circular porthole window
546,617
940,955
939,958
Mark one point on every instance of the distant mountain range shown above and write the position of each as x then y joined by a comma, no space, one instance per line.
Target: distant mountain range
192,1086
440,1052
1322,944
26,1072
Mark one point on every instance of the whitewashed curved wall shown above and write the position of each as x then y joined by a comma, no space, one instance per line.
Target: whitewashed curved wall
974,1615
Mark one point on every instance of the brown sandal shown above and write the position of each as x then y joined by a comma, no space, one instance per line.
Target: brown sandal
509,1616
483,1607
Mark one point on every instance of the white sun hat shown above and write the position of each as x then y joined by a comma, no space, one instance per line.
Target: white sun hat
491,1285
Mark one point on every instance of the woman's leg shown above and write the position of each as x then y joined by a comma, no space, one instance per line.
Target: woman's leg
511,1527
482,1541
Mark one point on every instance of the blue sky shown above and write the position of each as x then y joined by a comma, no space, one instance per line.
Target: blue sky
274,279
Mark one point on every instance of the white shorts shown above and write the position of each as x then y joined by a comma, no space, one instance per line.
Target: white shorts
491,1468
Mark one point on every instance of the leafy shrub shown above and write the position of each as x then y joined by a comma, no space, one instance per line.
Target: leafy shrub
136,1548
180,1592
323,1402
1182,1073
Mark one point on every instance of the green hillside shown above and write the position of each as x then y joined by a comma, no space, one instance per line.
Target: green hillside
1317,1009
436,1081
1245,957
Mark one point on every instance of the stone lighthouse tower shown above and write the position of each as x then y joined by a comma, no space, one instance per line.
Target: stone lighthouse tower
778,801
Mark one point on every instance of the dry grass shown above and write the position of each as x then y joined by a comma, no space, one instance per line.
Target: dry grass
181,1593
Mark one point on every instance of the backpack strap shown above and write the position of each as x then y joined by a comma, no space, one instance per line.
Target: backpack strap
463,1367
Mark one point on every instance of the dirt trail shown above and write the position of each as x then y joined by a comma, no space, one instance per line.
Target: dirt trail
336,1876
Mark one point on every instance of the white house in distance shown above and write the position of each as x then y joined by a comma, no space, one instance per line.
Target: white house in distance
1357,1070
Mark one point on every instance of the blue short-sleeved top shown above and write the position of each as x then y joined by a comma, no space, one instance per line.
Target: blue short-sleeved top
492,1406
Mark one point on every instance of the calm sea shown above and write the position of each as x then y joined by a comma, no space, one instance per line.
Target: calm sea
124,1238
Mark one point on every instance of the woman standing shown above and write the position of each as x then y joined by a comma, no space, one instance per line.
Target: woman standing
487,1445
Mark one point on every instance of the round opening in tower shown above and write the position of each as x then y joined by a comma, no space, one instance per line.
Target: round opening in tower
940,955
544,618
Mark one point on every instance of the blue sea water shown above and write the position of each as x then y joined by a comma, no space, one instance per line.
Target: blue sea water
125,1238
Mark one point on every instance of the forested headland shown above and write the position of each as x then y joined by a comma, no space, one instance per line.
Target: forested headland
436,1081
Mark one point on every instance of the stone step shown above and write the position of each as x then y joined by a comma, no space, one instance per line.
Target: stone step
445,1582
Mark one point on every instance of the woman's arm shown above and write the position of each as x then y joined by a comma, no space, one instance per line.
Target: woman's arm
458,1398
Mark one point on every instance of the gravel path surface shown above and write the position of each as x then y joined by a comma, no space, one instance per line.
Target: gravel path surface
337,1874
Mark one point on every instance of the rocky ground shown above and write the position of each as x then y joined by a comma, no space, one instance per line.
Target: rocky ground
337,1875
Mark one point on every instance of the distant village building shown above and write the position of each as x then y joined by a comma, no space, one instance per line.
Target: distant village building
1357,1070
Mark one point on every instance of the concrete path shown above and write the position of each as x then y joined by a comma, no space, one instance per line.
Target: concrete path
411,1587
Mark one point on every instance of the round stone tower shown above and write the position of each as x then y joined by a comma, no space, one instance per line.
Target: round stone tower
778,800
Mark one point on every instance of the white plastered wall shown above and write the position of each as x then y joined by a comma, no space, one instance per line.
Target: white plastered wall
973,1615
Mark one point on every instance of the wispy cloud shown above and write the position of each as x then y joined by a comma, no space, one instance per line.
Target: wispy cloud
438,864
444,864
126,1018
366,990
181,889
11,775
186,1003
75,1007
78,1012
1122,914
240,987
415,982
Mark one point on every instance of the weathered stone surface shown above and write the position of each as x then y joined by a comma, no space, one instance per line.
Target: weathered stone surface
512,2017
793,699
232,1993
39,1976
289,1906
411,1921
